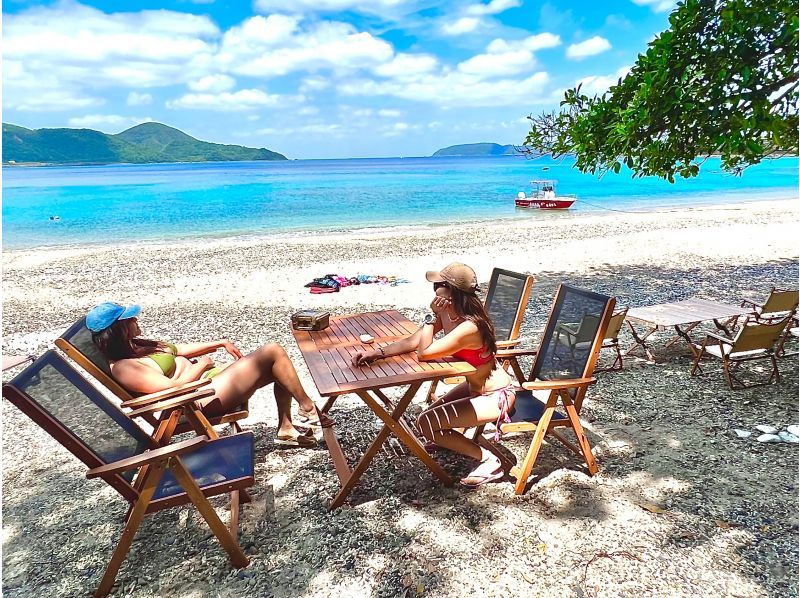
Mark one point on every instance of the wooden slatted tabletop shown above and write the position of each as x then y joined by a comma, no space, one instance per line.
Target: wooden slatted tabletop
681,313
328,355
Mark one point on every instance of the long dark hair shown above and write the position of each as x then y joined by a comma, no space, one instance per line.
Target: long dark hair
469,307
117,342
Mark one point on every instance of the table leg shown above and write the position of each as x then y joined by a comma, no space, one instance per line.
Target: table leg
684,334
640,342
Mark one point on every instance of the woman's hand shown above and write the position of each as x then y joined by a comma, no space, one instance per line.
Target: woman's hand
232,349
365,357
439,305
205,361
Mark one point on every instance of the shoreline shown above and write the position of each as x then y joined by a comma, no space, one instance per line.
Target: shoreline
769,201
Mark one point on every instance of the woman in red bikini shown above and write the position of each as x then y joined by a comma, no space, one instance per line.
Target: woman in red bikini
486,395
146,366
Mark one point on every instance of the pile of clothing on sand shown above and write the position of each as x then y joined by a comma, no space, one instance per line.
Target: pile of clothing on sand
331,283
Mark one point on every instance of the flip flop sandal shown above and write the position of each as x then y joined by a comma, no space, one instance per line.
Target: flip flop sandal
315,418
299,441
431,447
475,481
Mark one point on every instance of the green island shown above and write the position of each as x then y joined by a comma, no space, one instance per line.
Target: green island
476,149
144,143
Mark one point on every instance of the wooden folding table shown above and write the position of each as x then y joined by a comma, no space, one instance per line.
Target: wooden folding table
328,355
683,316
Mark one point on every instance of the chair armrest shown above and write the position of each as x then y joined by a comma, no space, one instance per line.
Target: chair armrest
506,353
173,403
720,338
159,454
558,384
508,344
166,394
750,303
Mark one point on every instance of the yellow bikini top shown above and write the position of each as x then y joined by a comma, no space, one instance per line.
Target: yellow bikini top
166,360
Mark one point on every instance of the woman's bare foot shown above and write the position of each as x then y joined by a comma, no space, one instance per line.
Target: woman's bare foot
488,470
314,417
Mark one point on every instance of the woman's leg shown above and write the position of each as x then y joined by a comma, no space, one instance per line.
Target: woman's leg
267,364
437,423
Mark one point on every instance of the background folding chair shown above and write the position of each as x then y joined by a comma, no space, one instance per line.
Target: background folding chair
779,304
76,343
506,299
115,449
756,339
611,340
560,374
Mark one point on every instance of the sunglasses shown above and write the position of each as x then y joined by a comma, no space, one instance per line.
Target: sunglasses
440,285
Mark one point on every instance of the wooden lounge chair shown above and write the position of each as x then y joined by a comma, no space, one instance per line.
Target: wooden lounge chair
115,449
561,374
506,299
76,343
756,339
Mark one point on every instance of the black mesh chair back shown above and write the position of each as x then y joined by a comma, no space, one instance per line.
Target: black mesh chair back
571,342
79,336
75,412
506,300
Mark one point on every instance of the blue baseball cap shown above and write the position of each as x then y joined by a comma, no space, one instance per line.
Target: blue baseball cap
104,315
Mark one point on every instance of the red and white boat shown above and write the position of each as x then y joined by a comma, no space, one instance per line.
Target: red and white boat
543,197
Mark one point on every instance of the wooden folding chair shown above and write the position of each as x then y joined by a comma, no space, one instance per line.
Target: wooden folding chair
506,299
611,340
779,304
76,343
561,374
756,339
118,451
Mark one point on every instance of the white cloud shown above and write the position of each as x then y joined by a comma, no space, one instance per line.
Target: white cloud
389,113
407,65
244,99
541,41
657,5
599,84
590,47
494,7
294,6
497,65
273,46
462,25
451,89
398,129
103,122
139,99
314,84
213,83
314,128
50,101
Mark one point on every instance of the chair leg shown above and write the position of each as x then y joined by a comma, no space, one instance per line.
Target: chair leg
235,515
131,526
618,359
522,473
727,372
577,427
228,542
696,369
432,391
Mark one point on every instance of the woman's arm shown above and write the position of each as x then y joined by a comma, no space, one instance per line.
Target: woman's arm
405,345
138,377
195,349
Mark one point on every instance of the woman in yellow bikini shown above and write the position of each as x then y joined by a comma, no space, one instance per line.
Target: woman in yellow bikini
486,396
145,366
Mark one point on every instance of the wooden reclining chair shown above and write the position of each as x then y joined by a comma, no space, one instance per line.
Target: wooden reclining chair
76,343
115,449
561,375
506,299
755,339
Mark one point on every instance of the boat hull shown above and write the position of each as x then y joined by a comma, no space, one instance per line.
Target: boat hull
544,204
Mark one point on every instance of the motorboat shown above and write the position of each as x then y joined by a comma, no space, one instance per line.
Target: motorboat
543,197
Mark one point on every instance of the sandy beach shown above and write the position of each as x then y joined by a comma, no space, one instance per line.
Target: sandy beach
680,507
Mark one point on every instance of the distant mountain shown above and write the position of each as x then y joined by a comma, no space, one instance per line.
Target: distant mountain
148,142
477,149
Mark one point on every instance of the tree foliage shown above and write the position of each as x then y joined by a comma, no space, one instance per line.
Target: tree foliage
722,80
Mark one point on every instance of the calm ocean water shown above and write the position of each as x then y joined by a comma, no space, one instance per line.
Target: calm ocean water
102,204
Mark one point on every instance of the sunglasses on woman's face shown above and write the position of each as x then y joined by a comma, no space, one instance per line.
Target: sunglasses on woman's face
440,285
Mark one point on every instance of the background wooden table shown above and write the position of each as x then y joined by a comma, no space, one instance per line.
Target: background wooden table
683,316
328,354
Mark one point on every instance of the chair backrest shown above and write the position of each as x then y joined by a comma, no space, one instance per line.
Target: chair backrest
506,300
615,323
781,301
753,336
77,343
77,415
571,306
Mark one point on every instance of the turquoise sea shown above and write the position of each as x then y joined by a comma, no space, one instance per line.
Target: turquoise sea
104,204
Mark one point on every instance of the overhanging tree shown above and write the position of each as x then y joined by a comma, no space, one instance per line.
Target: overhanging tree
722,80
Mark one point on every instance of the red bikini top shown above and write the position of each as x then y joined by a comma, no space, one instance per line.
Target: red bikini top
474,356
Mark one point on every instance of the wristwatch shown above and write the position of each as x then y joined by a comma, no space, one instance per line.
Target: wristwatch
429,319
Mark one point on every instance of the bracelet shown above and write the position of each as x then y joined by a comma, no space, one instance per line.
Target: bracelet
383,353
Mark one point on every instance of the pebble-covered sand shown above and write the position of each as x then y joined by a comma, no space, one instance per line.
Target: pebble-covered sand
681,506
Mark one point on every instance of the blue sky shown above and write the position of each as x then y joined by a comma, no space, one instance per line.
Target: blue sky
315,78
